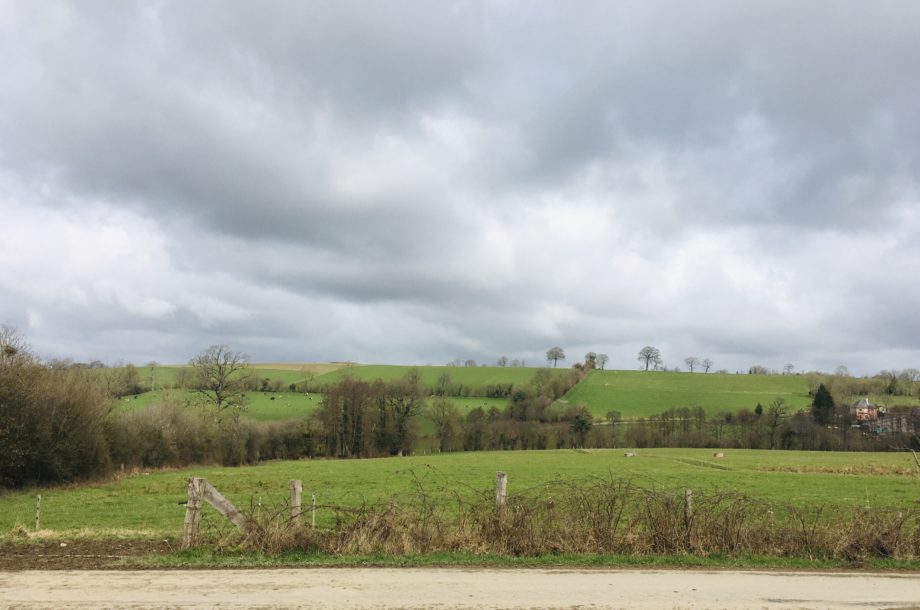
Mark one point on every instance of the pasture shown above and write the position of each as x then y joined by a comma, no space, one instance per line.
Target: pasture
147,504
262,406
641,394
280,406
471,376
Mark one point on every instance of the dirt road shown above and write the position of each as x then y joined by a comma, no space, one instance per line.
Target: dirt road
449,589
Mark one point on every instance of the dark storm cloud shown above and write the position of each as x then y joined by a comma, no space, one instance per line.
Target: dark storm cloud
419,181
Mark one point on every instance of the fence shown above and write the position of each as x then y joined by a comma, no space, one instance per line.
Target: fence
200,490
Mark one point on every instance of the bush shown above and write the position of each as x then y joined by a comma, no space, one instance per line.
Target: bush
51,423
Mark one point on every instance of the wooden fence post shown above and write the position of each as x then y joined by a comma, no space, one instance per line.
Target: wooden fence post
688,511
501,489
296,494
38,511
314,510
224,506
192,512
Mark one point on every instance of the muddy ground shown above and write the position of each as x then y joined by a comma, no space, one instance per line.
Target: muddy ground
76,555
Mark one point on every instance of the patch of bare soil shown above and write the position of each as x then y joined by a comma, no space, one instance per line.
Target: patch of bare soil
76,555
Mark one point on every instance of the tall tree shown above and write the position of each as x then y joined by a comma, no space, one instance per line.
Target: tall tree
692,362
775,414
554,354
706,364
153,365
222,375
649,355
404,400
602,360
590,361
447,423
822,407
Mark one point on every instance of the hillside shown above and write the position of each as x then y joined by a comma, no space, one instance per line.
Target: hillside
471,376
640,393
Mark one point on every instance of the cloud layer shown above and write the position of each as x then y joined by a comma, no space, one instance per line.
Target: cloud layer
425,181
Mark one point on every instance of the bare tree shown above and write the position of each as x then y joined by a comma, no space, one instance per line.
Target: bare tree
503,361
842,371
692,362
650,356
788,368
12,345
602,360
555,354
706,364
222,375
152,365
775,415
590,361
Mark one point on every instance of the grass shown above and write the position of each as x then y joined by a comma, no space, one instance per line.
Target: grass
207,558
280,406
149,503
467,403
473,376
633,393
641,394
263,406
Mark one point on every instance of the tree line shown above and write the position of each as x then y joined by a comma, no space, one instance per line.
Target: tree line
58,423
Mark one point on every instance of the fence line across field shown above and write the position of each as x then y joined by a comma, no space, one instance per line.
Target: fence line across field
199,489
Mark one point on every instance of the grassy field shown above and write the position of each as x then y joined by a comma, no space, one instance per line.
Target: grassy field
640,394
288,372
473,376
263,406
147,505
278,406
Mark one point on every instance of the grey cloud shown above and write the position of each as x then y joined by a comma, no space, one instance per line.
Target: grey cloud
473,179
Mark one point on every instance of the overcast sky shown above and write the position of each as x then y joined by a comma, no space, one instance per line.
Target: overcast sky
413,182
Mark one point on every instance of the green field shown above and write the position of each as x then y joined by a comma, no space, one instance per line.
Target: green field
641,394
473,376
290,372
262,406
148,504
278,406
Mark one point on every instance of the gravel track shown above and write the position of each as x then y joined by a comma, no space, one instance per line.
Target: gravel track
453,589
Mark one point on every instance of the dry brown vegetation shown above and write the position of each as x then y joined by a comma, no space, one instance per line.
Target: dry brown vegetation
856,470
592,517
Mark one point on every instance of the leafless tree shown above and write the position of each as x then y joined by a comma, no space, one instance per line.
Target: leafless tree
775,414
842,371
152,365
12,345
503,361
788,368
222,375
590,361
555,354
706,364
692,362
650,356
602,360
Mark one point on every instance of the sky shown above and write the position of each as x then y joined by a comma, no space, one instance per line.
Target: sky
414,182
